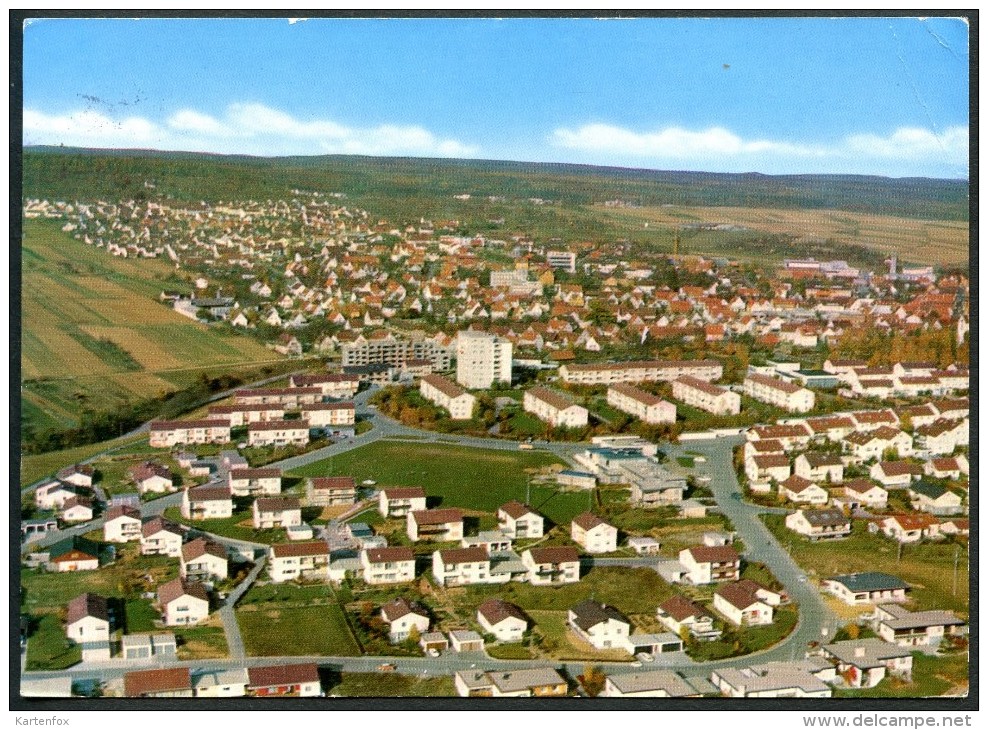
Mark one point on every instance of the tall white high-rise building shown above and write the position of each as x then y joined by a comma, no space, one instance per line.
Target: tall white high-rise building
482,360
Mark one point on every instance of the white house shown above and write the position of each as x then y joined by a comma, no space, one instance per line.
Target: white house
504,620
464,566
705,564
122,523
819,524
276,512
402,616
203,560
292,560
385,565
448,395
519,521
152,477
679,612
896,474
399,501
161,537
746,603
602,626
866,662
860,588
593,534
444,525
819,467
646,407
552,565
252,482
900,626
706,396
183,603
278,433
803,491
780,393
207,503
87,624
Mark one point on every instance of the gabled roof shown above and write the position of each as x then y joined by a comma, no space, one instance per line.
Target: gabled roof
201,546
797,484
154,681
494,610
454,556
437,516
87,605
209,494
403,493
516,510
681,607
300,549
825,517
558,554
395,609
741,594
122,510
588,521
389,554
179,587
588,614
714,554
159,524
331,483
277,504
281,675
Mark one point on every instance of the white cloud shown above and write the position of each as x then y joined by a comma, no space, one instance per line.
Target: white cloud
856,153
243,128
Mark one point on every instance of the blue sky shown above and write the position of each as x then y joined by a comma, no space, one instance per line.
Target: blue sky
885,96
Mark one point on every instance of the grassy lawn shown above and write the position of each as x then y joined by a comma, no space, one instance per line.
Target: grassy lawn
932,676
371,684
47,646
139,616
517,650
559,641
686,461
741,641
125,578
287,593
202,642
38,466
270,630
631,590
237,527
478,479
526,424
927,567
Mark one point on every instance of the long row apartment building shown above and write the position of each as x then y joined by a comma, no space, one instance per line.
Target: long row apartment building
640,371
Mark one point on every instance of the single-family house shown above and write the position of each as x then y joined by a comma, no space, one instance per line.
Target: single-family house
679,612
950,467
910,528
161,537
288,561
600,625
203,560
399,501
402,616
221,683
464,566
76,509
896,474
160,683
284,680
593,533
122,524
803,491
865,492
246,482
898,625
276,512
519,521
936,499
859,588
151,476
80,475
656,683
443,525
504,620
866,662
552,565
763,467
182,602
207,503
819,467
73,554
819,524
387,565
746,603
772,680
87,624
533,682
706,564
330,491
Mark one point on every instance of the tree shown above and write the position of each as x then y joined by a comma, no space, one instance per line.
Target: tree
592,680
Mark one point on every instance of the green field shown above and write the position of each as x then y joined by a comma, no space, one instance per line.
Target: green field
927,567
38,466
47,646
371,684
283,630
95,337
459,476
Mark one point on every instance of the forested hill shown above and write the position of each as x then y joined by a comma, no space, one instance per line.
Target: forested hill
425,186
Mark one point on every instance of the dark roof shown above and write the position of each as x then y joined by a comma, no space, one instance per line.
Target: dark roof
122,510
463,555
436,516
495,611
153,681
825,517
515,509
157,524
179,587
390,554
73,545
395,609
281,674
588,614
260,473
209,494
86,605
558,554
276,504
870,582
741,594
680,607
588,520
200,546
714,554
300,549
331,483
403,492
550,397
928,489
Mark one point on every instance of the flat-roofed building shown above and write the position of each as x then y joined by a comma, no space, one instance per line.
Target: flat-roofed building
482,359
